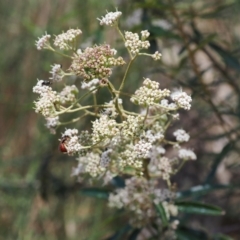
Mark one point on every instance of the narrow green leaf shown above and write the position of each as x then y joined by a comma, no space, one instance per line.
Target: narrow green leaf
95,192
161,212
202,190
199,208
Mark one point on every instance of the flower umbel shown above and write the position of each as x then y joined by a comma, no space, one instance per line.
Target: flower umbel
114,139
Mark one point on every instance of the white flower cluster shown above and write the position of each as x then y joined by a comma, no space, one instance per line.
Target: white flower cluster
157,56
168,106
110,19
149,94
187,154
68,94
154,136
64,41
145,34
182,99
111,110
91,84
160,167
47,101
128,157
57,73
142,149
52,123
138,196
133,42
132,126
181,135
43,42
90,163
104,129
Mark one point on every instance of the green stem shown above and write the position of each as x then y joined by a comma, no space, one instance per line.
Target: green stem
179,167
125,75
74,120
62,54
123,38
82,108
87,93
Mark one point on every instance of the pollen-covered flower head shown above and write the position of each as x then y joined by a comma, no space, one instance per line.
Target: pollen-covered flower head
90,164
68,94
95,62
181,135
149,94
110,19
43,42
138,197
134,43
186,154
182,99
66,40
46,104
104,129
157,56
57,73
52,123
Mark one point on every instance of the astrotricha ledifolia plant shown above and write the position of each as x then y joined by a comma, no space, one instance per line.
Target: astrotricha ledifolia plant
131,145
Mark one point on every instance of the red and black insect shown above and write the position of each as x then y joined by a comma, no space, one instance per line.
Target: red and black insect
62,146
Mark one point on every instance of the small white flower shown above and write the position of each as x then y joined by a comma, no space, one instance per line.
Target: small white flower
91,84
149,94
46,103
70,132
52,123
104,129
181,135
142,149
187,154
134,43
56,73
110,19
145,34
68,94
65,40
156,56
43,42
182,99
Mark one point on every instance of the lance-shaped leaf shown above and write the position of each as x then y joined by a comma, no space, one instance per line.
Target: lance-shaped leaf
162,213
199,208
95,192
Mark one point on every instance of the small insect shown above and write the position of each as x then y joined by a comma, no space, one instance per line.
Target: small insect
46,83
63,142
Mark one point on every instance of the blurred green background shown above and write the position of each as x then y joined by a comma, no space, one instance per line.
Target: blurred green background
200,43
